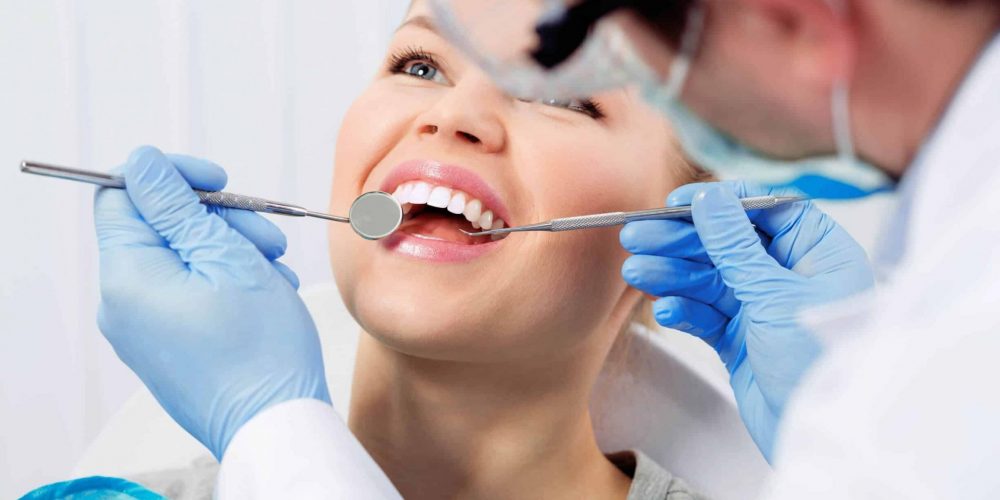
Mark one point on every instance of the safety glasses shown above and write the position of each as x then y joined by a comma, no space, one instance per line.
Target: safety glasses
557,49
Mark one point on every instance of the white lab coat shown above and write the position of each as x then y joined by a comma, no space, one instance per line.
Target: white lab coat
902,404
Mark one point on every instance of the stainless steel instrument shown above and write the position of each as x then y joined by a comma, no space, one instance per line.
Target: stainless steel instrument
619,218
373,215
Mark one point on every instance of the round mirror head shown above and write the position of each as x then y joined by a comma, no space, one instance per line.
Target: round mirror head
375,215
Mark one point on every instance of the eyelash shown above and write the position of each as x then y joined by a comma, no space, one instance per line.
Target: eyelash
586,106
399,60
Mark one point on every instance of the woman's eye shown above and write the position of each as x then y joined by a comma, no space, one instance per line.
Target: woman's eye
424,70
585,106
417,63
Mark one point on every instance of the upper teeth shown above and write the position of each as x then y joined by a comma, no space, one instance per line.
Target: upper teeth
455,201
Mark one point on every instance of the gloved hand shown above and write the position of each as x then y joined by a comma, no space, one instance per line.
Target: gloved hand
741,289
194,302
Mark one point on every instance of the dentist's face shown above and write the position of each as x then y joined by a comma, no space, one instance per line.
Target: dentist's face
763,72
433,129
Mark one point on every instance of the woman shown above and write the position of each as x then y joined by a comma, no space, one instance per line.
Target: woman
475,370
478,357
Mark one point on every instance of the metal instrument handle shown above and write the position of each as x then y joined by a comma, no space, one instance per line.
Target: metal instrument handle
242,202
589,221
218,198
753,203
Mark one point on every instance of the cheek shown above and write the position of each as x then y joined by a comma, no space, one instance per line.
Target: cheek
583,278
601,171
580,173
371,127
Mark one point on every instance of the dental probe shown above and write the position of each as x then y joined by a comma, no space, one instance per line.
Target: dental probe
618,218
373,215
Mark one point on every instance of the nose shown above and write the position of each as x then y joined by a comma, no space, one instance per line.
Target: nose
468,115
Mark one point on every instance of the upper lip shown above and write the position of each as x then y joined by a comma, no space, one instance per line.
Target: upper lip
453,176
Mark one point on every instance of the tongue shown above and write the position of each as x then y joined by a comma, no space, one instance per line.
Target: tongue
442,226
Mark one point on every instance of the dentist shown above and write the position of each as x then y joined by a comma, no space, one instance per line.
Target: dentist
850,390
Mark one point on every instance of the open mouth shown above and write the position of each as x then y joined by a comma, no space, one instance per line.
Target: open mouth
442,213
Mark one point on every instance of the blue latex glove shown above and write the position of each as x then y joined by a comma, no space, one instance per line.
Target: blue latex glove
740,289
194,302
93,488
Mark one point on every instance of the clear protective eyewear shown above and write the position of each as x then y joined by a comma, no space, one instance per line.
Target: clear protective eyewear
557,49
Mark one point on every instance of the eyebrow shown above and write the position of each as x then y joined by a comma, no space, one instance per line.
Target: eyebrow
421,21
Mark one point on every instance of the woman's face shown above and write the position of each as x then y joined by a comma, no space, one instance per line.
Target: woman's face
433,129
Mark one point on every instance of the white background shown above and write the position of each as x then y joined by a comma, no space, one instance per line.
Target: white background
259,86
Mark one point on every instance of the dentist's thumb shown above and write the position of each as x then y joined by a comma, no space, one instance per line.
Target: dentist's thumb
202,240
731,242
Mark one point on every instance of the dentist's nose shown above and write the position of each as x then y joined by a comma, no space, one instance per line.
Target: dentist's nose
468,114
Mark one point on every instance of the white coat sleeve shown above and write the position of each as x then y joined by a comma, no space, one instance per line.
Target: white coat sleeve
913,414
908,407
299,449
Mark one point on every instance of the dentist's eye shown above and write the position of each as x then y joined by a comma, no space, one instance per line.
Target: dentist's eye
585,106
416,63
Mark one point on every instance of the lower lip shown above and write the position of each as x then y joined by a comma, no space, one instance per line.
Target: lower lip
435,250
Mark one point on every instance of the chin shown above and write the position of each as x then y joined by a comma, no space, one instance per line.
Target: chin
422,330
423,316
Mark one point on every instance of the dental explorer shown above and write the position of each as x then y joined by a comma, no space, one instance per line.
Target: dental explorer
618,218
373,215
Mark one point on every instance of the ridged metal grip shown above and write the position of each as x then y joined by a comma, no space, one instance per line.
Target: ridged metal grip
588,221
224,199
759,202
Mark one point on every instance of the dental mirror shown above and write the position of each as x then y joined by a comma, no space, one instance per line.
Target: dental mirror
375,215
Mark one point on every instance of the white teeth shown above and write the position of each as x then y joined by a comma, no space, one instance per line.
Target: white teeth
473,210
421,192
486,220
439,197
457,204
402,193
455,201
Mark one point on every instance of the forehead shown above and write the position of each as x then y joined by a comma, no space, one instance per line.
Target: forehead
526,12
419,15
417,7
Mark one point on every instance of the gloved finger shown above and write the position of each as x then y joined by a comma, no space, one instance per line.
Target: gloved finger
209,176
732,243
795,228
692,317
264,234
200,239
667,238
114,205
667,276
287,273
200,173
772,221
685,194
118,222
